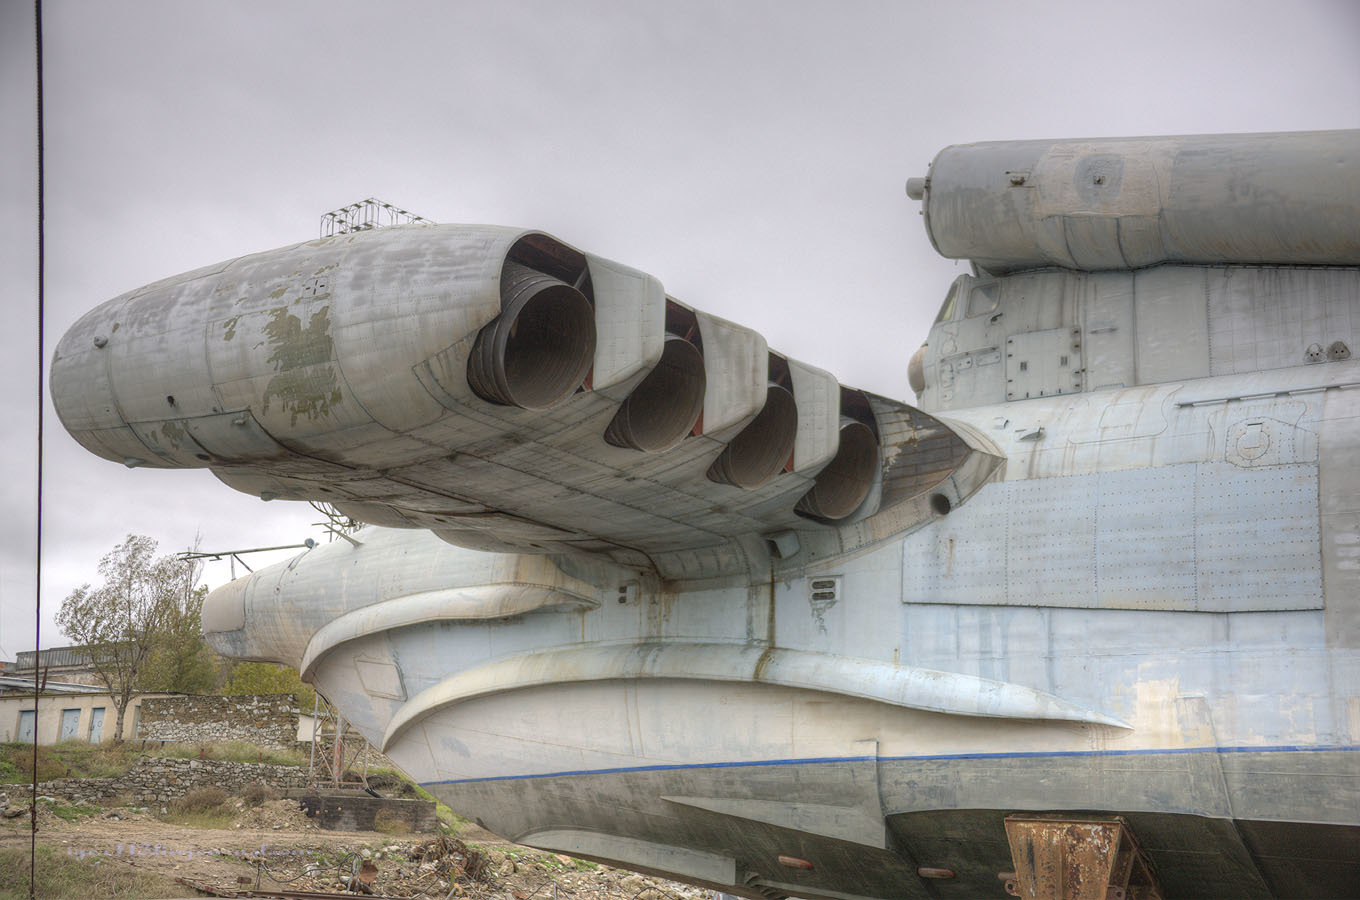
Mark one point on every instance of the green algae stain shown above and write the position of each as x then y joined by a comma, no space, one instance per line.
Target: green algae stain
305,383
229,328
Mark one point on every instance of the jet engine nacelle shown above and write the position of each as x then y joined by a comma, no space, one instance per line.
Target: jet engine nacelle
1127,203
467,379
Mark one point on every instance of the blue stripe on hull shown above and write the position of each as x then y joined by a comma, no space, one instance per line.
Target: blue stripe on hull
819,760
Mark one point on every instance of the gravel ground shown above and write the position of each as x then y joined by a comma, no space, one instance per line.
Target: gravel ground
276,844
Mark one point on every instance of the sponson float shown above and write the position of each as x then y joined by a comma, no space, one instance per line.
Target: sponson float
642,589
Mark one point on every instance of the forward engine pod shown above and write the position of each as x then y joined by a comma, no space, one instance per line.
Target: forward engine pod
1127,203
842,486
539,349
762,448
662,410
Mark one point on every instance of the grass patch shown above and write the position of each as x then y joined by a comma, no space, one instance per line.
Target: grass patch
9,772
62,876
231,751
69,759
201,808
69,813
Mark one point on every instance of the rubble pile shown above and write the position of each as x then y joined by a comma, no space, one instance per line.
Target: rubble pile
446,867
273,814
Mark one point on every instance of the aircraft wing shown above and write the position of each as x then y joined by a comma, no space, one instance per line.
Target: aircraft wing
507,392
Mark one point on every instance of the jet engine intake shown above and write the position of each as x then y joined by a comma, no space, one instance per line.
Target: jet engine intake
539,349
841,487
762,448
662,410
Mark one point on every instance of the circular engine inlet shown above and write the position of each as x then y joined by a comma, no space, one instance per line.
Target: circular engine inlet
842,486
758,453
539,349
663,408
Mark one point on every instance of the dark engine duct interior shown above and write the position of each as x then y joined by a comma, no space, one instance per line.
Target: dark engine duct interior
842,486
763,447
662,410
539,349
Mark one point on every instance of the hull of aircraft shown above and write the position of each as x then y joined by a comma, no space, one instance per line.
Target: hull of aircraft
637,588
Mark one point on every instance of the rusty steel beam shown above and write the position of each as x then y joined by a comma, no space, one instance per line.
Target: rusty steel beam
1060,858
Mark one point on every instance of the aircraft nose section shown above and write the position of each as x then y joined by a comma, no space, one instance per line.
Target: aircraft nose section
242,621
224,618
224,609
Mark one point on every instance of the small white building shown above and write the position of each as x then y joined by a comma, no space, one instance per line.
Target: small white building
64,712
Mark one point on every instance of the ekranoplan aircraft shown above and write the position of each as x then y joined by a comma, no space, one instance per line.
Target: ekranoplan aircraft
1083,622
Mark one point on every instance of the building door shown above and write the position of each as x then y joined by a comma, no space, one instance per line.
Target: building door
26,719
96,725
70,724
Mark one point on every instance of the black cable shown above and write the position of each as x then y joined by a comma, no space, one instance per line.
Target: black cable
37,591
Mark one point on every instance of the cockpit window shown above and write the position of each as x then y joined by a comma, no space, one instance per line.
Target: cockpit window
983,299
947,308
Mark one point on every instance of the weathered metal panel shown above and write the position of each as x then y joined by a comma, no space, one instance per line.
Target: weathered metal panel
1107,330
1269,318
961,559
737,362
1145,547
818,397
1043,363
1339,520
1133,202
1050,539
1234,539
1256,538
1172,340
630,324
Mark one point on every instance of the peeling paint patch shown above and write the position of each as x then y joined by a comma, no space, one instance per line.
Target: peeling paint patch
306,385
174,434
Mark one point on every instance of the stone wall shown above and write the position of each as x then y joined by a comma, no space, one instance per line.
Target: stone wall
154,779
269,720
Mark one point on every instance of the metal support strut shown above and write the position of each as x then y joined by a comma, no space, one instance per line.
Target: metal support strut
1058,858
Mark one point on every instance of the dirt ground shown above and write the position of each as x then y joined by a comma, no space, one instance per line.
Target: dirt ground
276,847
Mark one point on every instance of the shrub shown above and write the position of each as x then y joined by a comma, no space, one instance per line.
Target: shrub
201,808
205,799
257,793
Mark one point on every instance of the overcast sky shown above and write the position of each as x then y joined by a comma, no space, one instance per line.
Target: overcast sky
751,155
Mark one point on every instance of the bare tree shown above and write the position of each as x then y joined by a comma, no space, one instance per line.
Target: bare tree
119,623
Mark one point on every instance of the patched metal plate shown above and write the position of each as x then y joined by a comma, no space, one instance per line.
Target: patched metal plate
1043,363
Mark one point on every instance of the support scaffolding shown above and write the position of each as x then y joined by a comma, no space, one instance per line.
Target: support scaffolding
339,757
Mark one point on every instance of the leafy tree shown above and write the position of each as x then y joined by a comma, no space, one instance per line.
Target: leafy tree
180,659
267,678
119,623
